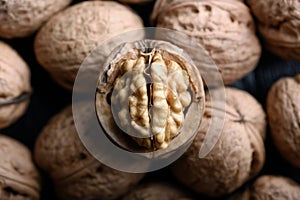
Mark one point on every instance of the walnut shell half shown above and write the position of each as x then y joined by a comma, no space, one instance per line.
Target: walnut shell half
147,90
15,86
283,108
225,29
68,38
19,178
239,153
75,173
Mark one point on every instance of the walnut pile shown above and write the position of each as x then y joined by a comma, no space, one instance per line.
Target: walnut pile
279,23
69,37
237,156
14,85
19,178
157,190
283,108
21,18
225,29
271,187
150,93
75,173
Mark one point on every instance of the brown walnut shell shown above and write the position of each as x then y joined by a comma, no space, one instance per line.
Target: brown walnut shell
275,187
68,38
279,23
237,156
135,1
225,29
19,178
270,187
15,86
157,190
23,18
75,173
283,108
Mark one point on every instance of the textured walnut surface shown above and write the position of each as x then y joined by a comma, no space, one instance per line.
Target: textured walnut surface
135,1
157,190
76,174
19,179
279,23
275,187
21,18
70,36
231,42
14,81
237,156
283,108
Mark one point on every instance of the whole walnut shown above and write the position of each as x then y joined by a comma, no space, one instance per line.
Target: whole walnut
14,85
278,23
19,178
135,1
271,187
283,108
239,152
157,190
225,29
75,173
70,36
23,18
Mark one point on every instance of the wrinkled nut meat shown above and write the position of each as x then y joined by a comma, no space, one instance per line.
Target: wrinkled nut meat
225,29
19,178
278,23
271,187
69,37
150,93
75,173
283,108
237,156
15,86
21,18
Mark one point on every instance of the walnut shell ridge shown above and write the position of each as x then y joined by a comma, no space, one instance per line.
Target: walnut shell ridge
225,29
68,38
237,156
270,187
14,81
278,23
283,108
156,190
23,18
75,173
19,178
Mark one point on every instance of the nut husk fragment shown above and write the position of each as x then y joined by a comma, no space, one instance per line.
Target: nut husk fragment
15,86
75,173
157,190
237,156
225,29
19,179
278,23
68,38
21,18
283,108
